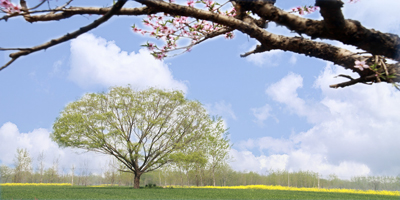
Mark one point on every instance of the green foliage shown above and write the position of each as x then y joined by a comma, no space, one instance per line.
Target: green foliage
204,156
140,128
5,174
68,192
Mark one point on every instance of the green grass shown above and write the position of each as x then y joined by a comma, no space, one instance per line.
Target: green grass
68,192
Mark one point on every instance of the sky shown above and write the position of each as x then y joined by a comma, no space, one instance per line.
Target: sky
278,106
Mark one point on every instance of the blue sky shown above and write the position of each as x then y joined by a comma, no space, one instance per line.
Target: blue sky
278,106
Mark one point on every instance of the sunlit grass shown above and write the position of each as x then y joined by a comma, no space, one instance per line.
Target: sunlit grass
35,184
176,193
103,185
277,187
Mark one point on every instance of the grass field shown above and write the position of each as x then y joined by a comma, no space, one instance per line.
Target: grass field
76,192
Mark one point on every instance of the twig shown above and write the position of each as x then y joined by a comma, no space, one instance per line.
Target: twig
258,49
68,36
355,81
11,49
345,76
61,7
384,66
37,5
221,5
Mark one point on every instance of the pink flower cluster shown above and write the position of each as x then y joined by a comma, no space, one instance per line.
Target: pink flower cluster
302,10
8,7
361,65
172,28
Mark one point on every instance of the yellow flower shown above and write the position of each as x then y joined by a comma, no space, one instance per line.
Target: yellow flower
35,184
278,187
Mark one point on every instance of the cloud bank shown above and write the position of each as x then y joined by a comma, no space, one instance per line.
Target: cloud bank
355,130
95,61
39,141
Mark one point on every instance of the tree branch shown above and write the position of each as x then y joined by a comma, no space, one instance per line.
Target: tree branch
117,6
334,27
69,12
365,79
268,40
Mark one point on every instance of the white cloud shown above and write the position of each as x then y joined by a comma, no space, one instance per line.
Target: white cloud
221,108
364,10
285,92
247,161
261,114
272,145
269,58
355,129
95,61
39,141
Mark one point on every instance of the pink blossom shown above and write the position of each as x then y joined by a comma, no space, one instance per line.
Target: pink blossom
360,65
5,3
190,3
160,56
9,7
301,11
305,9
150,46
136,30
209,2
229,35
145,22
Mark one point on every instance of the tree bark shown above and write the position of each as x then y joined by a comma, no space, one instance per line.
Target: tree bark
213,172
136,181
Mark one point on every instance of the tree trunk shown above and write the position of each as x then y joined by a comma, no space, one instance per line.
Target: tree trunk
213,172
197,177
201,177
187,177
136,182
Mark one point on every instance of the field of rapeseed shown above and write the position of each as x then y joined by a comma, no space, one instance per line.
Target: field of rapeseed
334,190
240,192
35,184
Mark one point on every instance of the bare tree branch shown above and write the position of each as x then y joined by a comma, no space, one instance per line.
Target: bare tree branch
269,40
334,27
60,14
365,80
258,49
68,36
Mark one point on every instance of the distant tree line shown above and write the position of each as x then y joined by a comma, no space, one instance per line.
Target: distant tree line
181,174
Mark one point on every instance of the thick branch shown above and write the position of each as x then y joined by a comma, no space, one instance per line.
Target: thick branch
68,36
69,12
334,27
268,40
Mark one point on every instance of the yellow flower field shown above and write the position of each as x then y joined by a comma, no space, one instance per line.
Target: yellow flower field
277,187
35,184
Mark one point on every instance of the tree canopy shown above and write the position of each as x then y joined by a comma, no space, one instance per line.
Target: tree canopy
141,129
250,18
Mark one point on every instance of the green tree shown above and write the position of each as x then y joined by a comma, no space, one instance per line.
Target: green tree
5,173
217,146
141,129
23,166
40,160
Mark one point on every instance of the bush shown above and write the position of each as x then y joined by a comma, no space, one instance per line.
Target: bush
150,185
